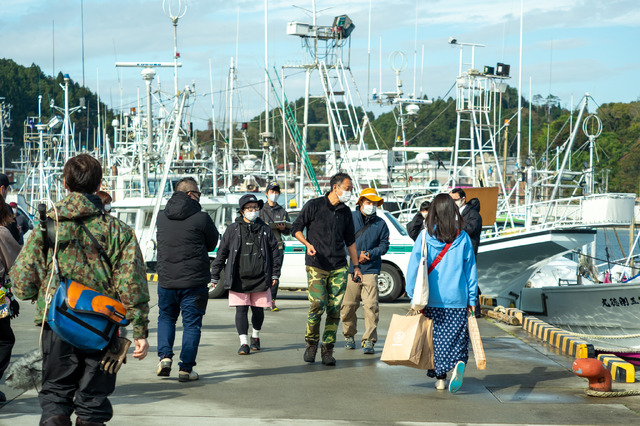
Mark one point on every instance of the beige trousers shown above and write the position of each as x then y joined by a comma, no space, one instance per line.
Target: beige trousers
367,292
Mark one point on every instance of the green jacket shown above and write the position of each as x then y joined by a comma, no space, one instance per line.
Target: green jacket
79,259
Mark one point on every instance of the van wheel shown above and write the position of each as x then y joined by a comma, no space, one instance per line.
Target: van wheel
389,283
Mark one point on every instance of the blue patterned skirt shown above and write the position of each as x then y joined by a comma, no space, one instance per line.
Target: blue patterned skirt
450,338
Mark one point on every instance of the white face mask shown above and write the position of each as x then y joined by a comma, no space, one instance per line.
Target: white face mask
345,196
251,216
424,214
273,197
107,208
368,209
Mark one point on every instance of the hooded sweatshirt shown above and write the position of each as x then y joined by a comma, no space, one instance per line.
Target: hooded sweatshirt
79,259
454,281
186,235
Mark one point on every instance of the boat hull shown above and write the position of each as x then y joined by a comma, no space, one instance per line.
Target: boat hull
506,263
597,311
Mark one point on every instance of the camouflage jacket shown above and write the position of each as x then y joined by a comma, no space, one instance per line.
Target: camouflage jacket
80,260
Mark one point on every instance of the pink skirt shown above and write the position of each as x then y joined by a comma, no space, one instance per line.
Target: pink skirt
261,299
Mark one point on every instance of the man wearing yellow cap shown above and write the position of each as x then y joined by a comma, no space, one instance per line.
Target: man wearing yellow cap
372,242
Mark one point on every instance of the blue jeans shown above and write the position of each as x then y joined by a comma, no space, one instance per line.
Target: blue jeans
193,304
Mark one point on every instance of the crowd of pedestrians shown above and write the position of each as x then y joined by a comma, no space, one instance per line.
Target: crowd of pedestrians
80,242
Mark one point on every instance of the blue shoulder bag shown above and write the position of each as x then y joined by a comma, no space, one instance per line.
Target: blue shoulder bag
82,316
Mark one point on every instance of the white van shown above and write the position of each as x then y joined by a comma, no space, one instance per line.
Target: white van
391,280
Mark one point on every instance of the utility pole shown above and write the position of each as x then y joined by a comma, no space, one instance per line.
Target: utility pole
5,121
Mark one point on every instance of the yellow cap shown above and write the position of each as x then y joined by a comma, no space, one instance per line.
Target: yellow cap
372,195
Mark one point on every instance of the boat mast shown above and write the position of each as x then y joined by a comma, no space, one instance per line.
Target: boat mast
518,148
175,15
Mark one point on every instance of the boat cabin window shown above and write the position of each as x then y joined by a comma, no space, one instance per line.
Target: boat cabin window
168,186
147,219
129,218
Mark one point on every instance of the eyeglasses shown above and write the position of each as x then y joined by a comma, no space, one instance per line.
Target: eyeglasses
252,209
198,193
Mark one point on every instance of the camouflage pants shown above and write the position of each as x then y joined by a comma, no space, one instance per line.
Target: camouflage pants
326,290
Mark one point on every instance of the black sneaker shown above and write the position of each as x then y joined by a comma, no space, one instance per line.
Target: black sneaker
244,350
255,343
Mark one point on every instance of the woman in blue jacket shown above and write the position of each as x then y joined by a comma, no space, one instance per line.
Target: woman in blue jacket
453,287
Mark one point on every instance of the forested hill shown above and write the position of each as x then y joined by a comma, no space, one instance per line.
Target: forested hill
21,87
618,147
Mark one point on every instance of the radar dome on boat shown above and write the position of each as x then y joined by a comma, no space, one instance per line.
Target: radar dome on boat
412,109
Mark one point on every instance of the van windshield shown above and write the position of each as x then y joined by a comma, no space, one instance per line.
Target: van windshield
395,223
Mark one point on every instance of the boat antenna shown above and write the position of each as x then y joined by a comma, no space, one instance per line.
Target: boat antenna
82,29
175,9
369,57
53,48
415,52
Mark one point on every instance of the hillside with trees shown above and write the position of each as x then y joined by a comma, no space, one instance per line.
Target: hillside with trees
22,86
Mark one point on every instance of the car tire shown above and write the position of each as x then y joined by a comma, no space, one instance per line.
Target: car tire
390,285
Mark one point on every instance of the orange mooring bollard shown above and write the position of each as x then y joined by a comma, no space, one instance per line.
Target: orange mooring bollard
594,370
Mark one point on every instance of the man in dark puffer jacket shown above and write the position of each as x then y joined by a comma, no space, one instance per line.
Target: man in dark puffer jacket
185,236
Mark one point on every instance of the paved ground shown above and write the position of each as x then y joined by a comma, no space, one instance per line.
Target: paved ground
524,383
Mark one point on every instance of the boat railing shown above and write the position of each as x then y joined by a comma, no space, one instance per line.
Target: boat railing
586,211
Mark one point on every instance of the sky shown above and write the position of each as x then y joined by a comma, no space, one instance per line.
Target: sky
570,47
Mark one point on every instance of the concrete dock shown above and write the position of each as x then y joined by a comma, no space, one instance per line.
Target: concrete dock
525,382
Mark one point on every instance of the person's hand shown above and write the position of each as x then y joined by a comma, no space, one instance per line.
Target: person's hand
471,309
274,283
140,351
311,251
357,273
363,257
281,226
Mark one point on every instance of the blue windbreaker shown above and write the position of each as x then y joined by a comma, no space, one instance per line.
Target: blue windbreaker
454,281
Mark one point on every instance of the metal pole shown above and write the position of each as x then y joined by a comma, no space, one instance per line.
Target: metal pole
67,119
518,148
568,149
230,135
214,153
2,130
284,137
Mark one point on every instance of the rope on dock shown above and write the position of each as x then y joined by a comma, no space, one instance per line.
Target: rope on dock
599,394
595,336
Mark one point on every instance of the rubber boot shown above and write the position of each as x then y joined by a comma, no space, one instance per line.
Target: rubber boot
327,354
56,420
310,352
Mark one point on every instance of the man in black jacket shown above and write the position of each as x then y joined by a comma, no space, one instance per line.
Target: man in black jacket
185,237
415,226
274,215
470,212
329,225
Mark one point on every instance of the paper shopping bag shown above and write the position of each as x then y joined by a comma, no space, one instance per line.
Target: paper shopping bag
476,343
407,342
421,290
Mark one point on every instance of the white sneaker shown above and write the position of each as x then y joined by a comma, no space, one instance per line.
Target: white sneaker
441,384
187,376
164,367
